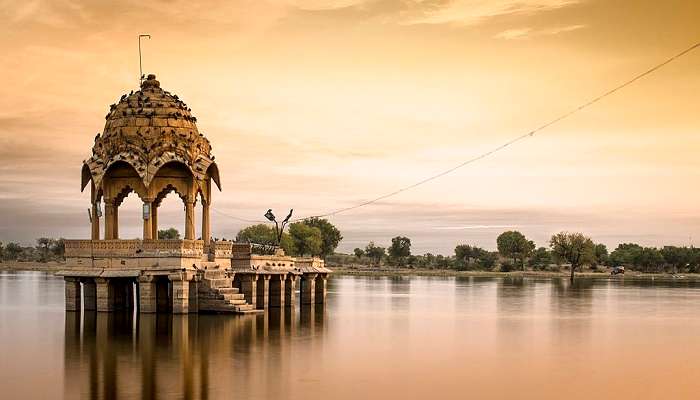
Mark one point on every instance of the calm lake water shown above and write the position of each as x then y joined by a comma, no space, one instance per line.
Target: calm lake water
378,337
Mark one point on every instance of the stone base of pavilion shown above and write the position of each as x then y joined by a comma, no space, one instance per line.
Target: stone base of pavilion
186,276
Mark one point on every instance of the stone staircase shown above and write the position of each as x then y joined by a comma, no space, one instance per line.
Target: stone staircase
216,294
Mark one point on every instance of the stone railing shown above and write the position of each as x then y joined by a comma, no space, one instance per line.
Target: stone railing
134,248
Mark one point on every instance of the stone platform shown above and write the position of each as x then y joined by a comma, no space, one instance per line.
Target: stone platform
186,276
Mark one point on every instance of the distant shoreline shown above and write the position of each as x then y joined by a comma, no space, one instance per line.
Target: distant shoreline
393,271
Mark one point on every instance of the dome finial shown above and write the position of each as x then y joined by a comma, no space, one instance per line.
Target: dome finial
150,82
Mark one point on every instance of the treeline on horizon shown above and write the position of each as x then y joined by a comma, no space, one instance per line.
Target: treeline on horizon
319,237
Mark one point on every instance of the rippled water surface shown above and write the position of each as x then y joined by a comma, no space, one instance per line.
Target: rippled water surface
378,337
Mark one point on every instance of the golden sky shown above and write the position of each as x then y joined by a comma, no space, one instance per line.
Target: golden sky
322,104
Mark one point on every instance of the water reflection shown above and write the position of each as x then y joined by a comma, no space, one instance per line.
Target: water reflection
378,338
150,356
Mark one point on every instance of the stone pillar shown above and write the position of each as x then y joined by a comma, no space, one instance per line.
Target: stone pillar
321,291
308,288
154,221
194,297
181,293
206,225
72,290
277,292
147,294
290,286
109,219
189,219
262,292
248,287
105,297
90,295
147,220
116,223
95,223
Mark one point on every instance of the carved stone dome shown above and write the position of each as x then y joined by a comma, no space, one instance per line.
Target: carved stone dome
147,129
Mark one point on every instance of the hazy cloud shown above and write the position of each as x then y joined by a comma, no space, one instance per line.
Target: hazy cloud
526,33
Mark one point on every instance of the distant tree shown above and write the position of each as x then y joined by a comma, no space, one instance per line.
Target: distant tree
59,248
624,254
359,253
574,248
168,234
400,249
375,253
330,235
43,245
2,252
513,244
678,258
601,255
265,238
307,239
540,259
486,260
12,251
649,259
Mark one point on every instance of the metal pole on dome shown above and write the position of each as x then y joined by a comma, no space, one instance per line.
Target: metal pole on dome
140,65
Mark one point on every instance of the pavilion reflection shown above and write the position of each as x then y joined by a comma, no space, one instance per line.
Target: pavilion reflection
151,356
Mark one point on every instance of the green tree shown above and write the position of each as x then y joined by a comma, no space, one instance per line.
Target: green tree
574,248
168,234
540,259
264,236
400,249
330,235
2,252
59,248
43,245
601,255
307,239
486,260
678,258
13,251
513,244
359,253
649,259
624,254
375,253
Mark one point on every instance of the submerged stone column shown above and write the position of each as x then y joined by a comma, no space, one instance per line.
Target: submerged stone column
90,295
105,297
181,293
262,292
290,286
277,292
308,288
321,289
147,294
72,291
248,287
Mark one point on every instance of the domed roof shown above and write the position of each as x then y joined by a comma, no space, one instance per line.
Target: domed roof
147,129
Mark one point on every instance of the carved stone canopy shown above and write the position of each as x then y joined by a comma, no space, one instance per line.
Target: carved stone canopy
147,129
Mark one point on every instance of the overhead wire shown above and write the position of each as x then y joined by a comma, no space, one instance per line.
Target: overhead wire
514,140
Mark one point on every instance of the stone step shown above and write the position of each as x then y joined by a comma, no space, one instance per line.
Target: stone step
214,274
218,283
237,302
228,290
232,296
